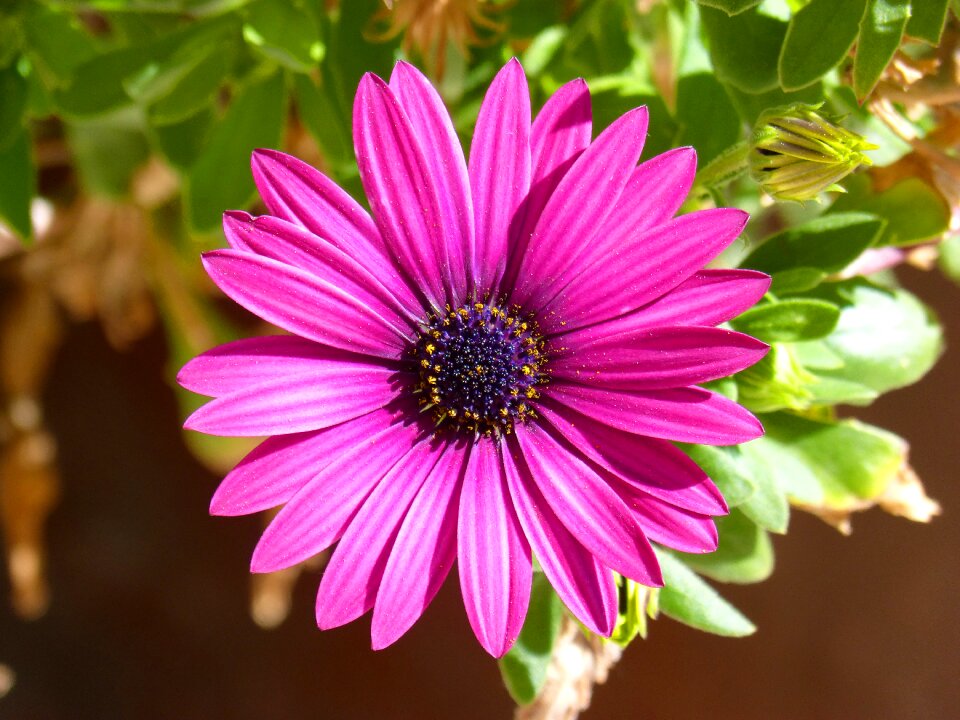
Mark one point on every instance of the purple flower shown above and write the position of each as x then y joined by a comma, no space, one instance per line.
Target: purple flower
489,369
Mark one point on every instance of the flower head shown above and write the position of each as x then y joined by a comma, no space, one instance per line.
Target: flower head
798,152
488,368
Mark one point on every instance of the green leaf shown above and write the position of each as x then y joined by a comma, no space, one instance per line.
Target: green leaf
725,466
730,7
744,48
524,667
17,182
768,507
707,119
777,382
13,104
685,597
108,150
927,18
56,44
318,112
828,243
182,142
744,555
796,280
886,338
881,30
220,179
789,320
285,31
950,258
913,209
818,39
829,464
145,72
197,87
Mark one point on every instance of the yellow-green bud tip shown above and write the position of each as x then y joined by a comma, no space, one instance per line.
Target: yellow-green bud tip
797,153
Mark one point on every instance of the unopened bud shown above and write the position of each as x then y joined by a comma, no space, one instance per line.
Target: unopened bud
798,153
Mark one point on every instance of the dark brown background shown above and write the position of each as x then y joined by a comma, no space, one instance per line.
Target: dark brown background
149,613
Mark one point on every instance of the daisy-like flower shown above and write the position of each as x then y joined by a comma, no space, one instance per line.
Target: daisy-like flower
488,369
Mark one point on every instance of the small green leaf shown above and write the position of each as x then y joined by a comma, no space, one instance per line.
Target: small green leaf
108,150
950,258
707,119
745,553
777,382
818,39
828,243
768,507
319,113
795,280
524,667
220,179
725,466
886,338
789,320
56,44
17,181
829,464
744,48
913,209
197,88
13,104
730,7
285,31
182,142
927,18
881,30
686,598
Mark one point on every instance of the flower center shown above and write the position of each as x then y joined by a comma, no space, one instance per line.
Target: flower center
479,366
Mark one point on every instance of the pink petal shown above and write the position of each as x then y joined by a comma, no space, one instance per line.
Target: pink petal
405,196
432,125
587,505
423,552
577,209
493,554
656,190
586,587
669,525
350,582
332,392
641,269
560,133
499,170
708,297
273,472
654,466
658,358
305,305
689,414
298,193
241,364
317,515
280,240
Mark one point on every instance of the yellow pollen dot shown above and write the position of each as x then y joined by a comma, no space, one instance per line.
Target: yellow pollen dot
436,368
424,364
430,348
504,412
464,312
527,370
435,334
478,306
531,393
432,380
480,369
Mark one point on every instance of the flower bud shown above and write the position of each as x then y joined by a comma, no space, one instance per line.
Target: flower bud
798,153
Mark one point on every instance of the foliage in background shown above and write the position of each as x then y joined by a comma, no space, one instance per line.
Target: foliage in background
137,118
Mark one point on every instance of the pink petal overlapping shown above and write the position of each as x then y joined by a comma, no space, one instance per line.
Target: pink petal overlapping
579,236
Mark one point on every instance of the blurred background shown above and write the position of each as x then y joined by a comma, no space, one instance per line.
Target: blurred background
125,130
